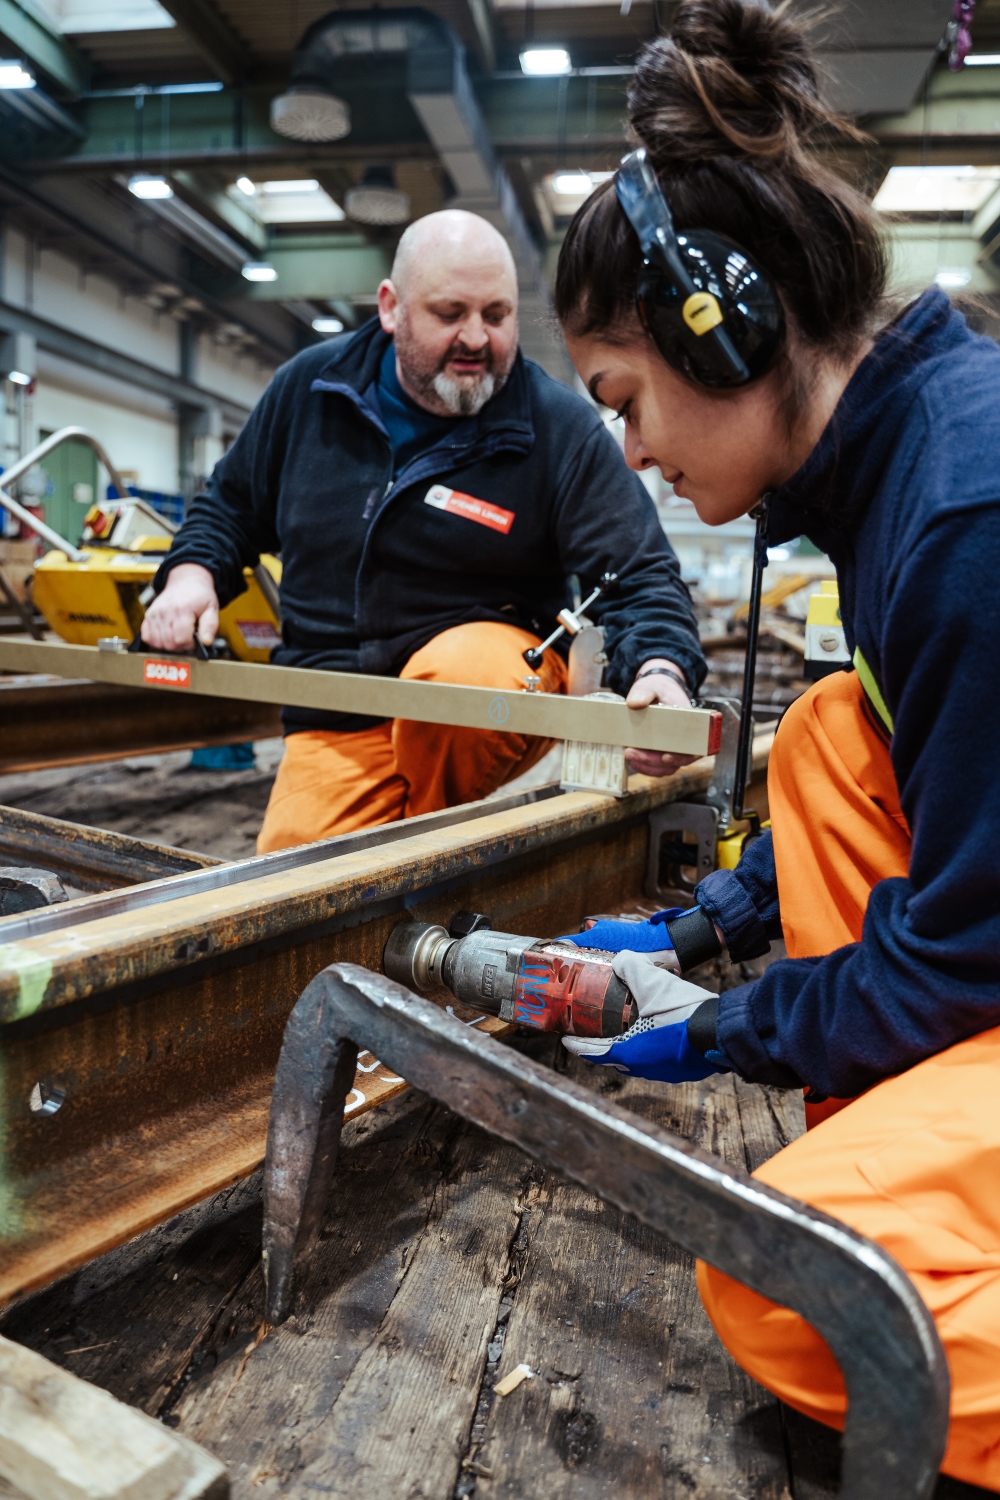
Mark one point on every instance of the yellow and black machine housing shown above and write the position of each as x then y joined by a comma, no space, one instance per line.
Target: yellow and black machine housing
107,591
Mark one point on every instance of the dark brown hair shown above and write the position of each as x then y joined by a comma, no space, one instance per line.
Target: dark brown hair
728,107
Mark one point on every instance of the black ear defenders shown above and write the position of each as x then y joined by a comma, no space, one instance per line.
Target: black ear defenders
711,312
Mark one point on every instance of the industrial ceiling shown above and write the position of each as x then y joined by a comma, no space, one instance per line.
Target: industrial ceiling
181,91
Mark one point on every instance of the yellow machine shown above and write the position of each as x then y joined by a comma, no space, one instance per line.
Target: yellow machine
106,592
826,644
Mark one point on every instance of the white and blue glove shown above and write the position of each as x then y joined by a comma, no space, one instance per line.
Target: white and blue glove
657,1046
635,937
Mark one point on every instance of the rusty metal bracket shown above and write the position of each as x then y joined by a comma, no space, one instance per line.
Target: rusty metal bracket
850,1289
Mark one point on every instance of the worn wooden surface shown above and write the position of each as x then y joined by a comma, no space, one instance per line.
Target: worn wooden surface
450,1258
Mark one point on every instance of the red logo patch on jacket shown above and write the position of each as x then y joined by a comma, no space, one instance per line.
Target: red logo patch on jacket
481,511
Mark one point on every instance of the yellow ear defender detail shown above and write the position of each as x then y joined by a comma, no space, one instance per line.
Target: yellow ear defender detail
701,312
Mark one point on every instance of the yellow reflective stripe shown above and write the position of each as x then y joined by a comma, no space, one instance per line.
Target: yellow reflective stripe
872,690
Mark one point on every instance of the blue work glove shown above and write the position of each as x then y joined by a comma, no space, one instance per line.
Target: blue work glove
657,1045
635,937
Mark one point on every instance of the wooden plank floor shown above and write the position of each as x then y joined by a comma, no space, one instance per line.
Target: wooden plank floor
447,1259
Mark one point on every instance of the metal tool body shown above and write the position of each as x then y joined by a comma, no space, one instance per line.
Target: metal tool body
850,1289
538,982
571,621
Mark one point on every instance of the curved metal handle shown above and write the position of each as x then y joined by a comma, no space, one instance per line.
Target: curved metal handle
64,435
849,1288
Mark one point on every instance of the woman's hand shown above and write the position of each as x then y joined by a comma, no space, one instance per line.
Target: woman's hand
658,1045
658,687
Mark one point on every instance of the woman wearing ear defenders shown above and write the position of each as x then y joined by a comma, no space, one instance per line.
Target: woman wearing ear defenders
725,294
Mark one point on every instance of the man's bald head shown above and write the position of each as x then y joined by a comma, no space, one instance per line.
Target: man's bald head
444,245
451,307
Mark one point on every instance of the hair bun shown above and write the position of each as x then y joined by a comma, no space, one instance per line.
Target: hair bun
732,78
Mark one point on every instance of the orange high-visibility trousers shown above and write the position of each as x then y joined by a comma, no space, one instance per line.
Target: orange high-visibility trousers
329,783
915,1162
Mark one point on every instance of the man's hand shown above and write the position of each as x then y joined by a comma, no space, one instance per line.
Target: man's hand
657,688
188,601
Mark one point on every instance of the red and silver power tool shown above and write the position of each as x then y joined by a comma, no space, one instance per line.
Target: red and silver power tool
539,982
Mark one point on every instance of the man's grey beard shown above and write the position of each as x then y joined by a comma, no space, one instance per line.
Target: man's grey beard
463,399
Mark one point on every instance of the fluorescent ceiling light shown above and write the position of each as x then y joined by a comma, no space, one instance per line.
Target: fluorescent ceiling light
259,270
936,189
142,185
289,201
567,190
983,60
14,76
545,62
328,325
18,377
76,17
953,276
572,183
301,185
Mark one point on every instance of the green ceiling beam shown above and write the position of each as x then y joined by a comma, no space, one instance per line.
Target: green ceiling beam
28,36
344,266
203,195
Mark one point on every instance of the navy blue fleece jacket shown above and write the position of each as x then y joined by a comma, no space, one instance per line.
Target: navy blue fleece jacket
373,569
903,492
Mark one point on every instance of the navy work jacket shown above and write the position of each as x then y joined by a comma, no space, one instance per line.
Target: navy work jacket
903,492
486,525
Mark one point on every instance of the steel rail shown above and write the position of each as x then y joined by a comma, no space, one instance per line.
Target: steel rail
847,1287
57,721
220,876
150,1038
679,731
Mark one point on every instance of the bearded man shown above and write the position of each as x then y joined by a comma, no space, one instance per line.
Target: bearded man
430,492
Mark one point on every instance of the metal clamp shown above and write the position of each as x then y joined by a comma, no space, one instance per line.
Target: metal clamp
850,1289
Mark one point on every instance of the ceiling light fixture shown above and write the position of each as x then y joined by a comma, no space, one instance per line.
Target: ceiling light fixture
983,60
18,377
259,270
953,276
14,75
310,114
946,189
143,185
545,62
246,186
572,184
328,325
377,199
290,185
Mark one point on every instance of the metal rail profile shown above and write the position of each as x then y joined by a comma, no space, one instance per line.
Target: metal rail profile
679,731
850,1289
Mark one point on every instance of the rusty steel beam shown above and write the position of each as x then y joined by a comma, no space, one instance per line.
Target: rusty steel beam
150,1022
92,859
56,721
